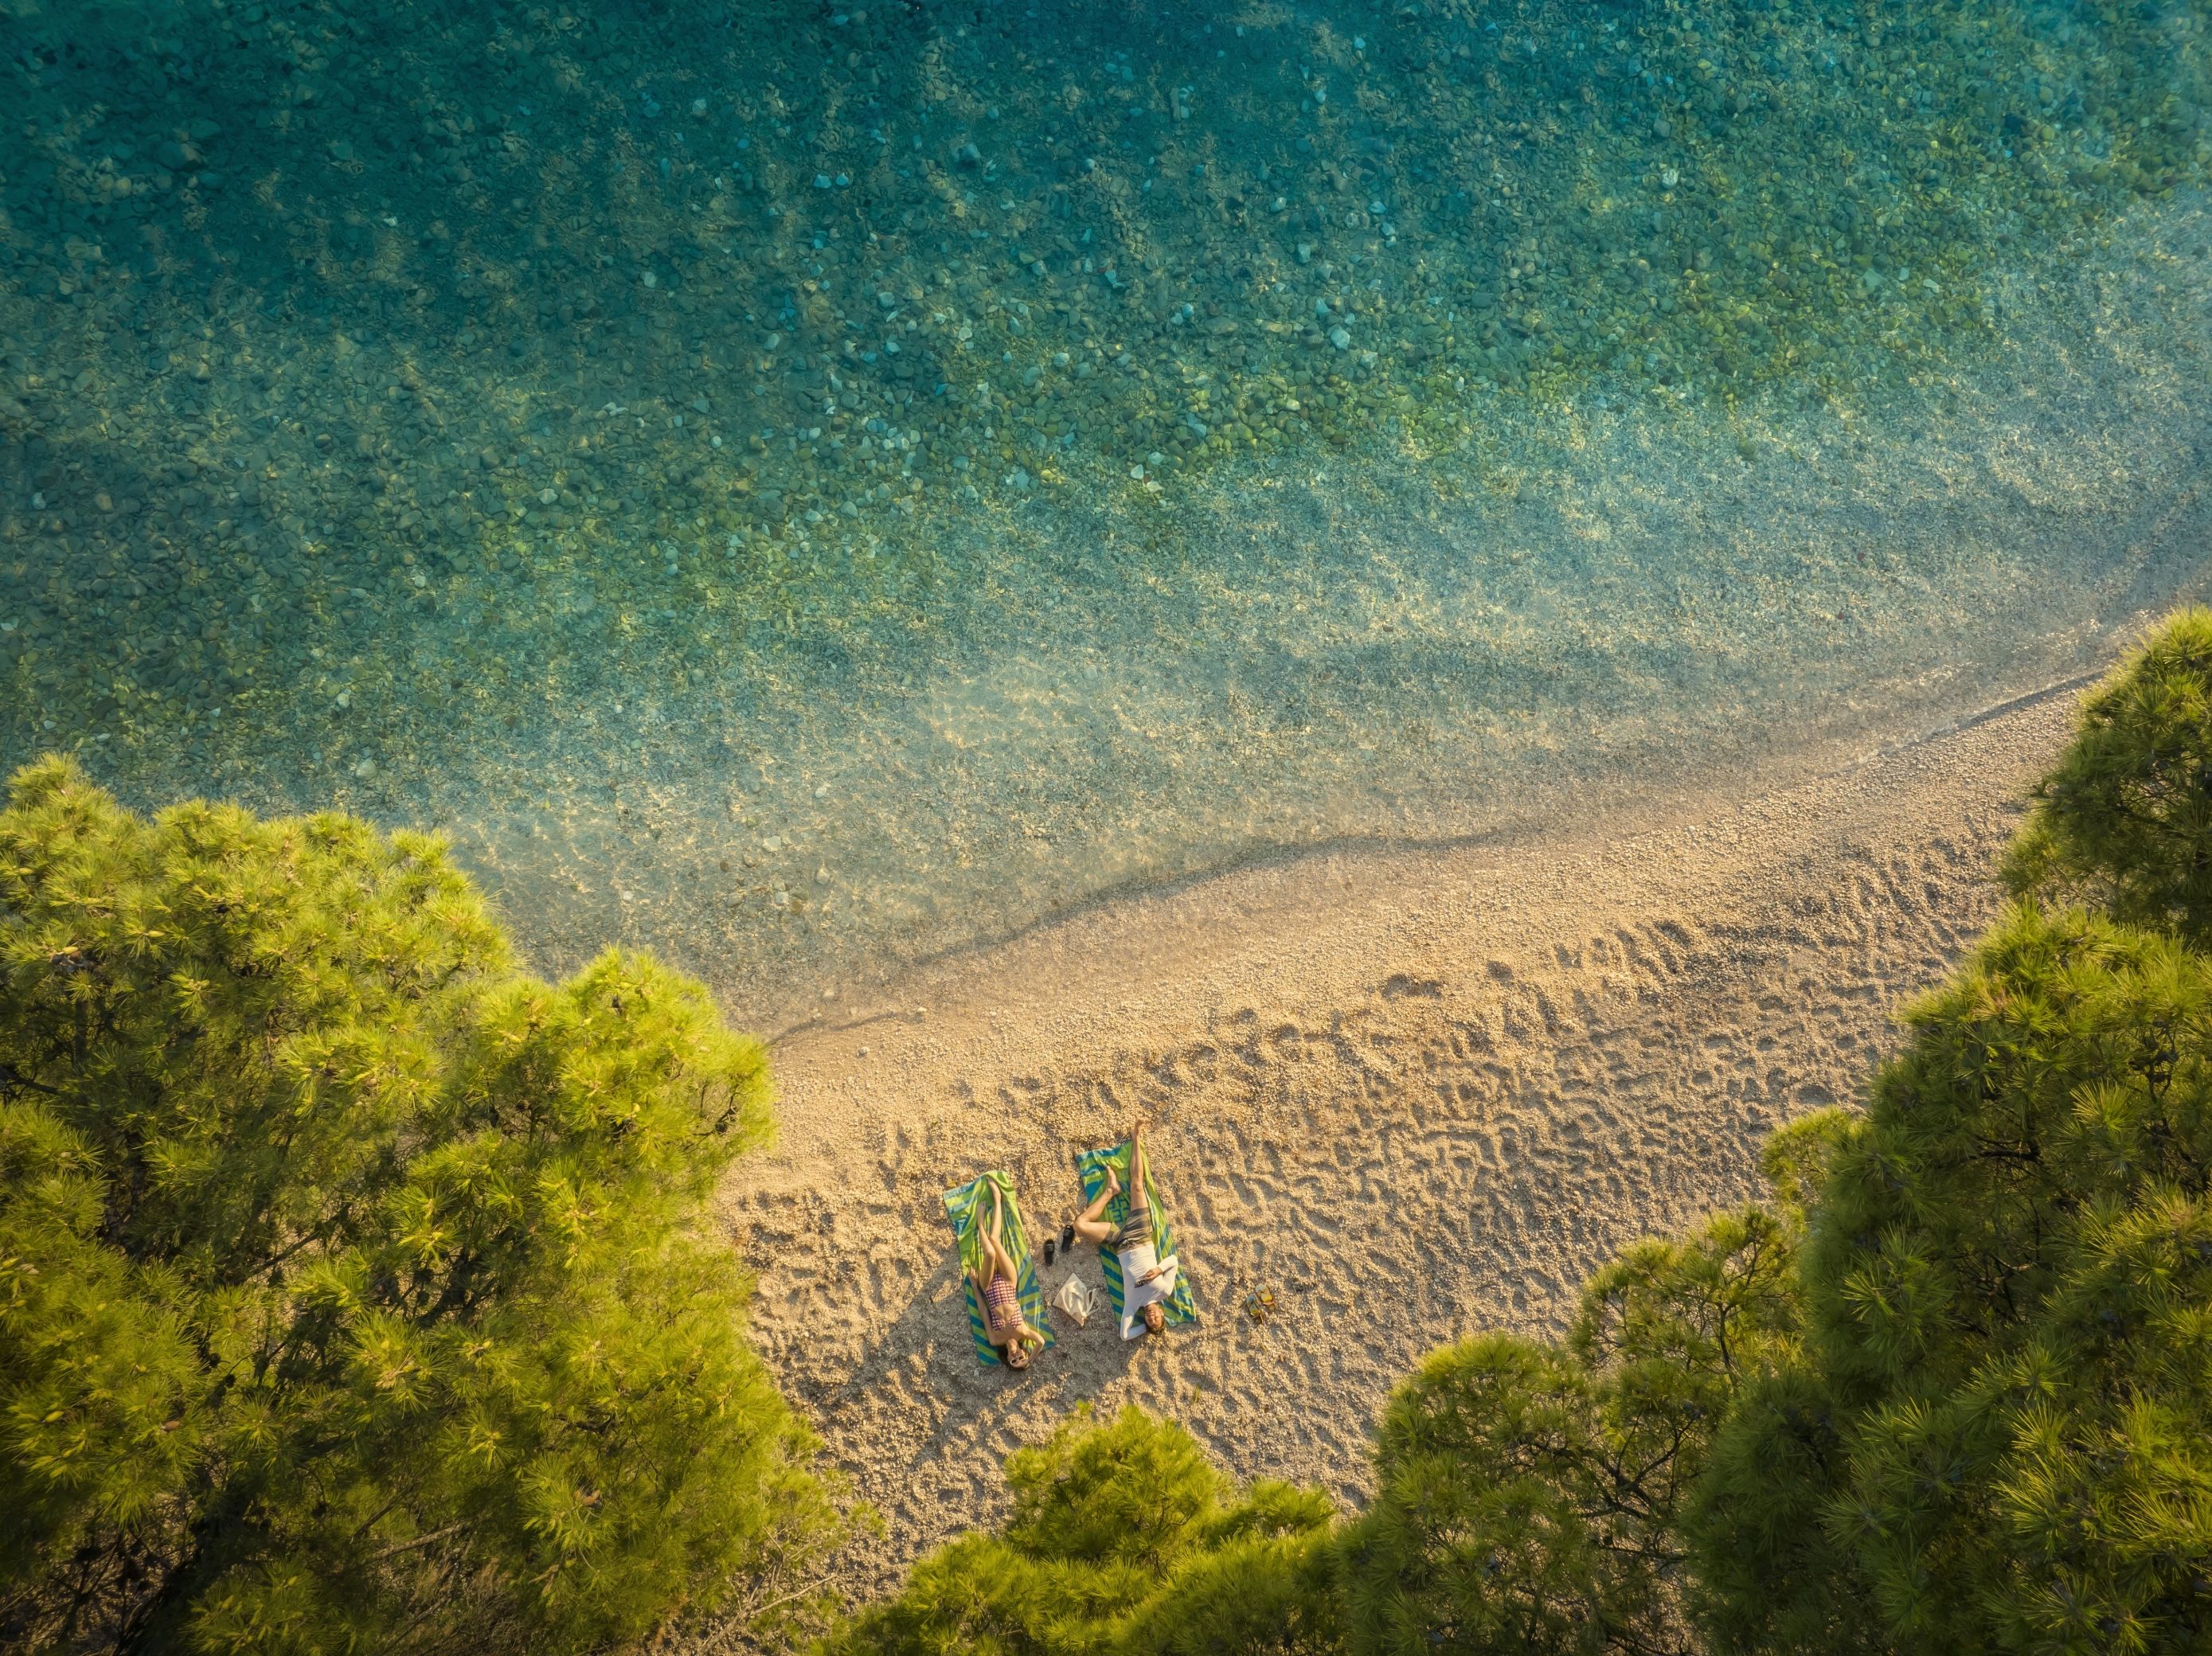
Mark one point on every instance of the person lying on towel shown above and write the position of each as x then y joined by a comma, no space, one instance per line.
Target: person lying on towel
1148,1281
998,1286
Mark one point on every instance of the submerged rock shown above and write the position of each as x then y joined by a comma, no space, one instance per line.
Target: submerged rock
532,330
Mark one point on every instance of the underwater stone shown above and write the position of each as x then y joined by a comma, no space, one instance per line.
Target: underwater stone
1116,411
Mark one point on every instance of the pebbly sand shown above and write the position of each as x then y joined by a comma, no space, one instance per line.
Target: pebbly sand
1418,1093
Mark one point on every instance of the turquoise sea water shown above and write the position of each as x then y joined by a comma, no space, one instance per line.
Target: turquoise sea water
804,489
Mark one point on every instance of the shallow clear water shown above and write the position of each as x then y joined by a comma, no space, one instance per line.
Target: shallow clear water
1307,422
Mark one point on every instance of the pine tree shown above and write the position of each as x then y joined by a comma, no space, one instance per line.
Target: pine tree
1124,1541
1996,1438
348,1294
1529,1493
2122,825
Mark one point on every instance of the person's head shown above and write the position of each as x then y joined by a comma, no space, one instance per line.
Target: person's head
1018,1349
1155,1318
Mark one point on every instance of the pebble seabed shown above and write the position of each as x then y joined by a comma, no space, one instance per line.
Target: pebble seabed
807,488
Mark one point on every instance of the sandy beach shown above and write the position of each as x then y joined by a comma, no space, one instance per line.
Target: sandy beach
1416,1093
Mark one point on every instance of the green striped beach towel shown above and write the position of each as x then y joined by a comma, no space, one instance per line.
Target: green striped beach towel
1091,1167
967,1207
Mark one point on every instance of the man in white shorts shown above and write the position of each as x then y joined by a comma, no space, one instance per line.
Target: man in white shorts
1148,1281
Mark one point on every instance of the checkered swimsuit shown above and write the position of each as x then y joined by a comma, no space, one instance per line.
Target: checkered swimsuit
1002,1308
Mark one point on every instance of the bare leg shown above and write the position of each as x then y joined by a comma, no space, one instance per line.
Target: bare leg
1106,1193
995,1232
1139,1195
1091,1224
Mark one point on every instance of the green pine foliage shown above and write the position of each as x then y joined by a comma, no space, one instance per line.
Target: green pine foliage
2123,824
1529,1495
1124,1541
348,1298
1996,1437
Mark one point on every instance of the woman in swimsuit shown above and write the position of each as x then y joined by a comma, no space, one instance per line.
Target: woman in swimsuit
1132,1238
998,1288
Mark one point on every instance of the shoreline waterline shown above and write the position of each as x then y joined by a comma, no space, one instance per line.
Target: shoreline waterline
1359,652
1282,880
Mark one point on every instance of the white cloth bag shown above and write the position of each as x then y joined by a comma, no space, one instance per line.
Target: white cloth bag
1078,1300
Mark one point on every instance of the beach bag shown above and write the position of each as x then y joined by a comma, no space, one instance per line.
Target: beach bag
1077,1299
